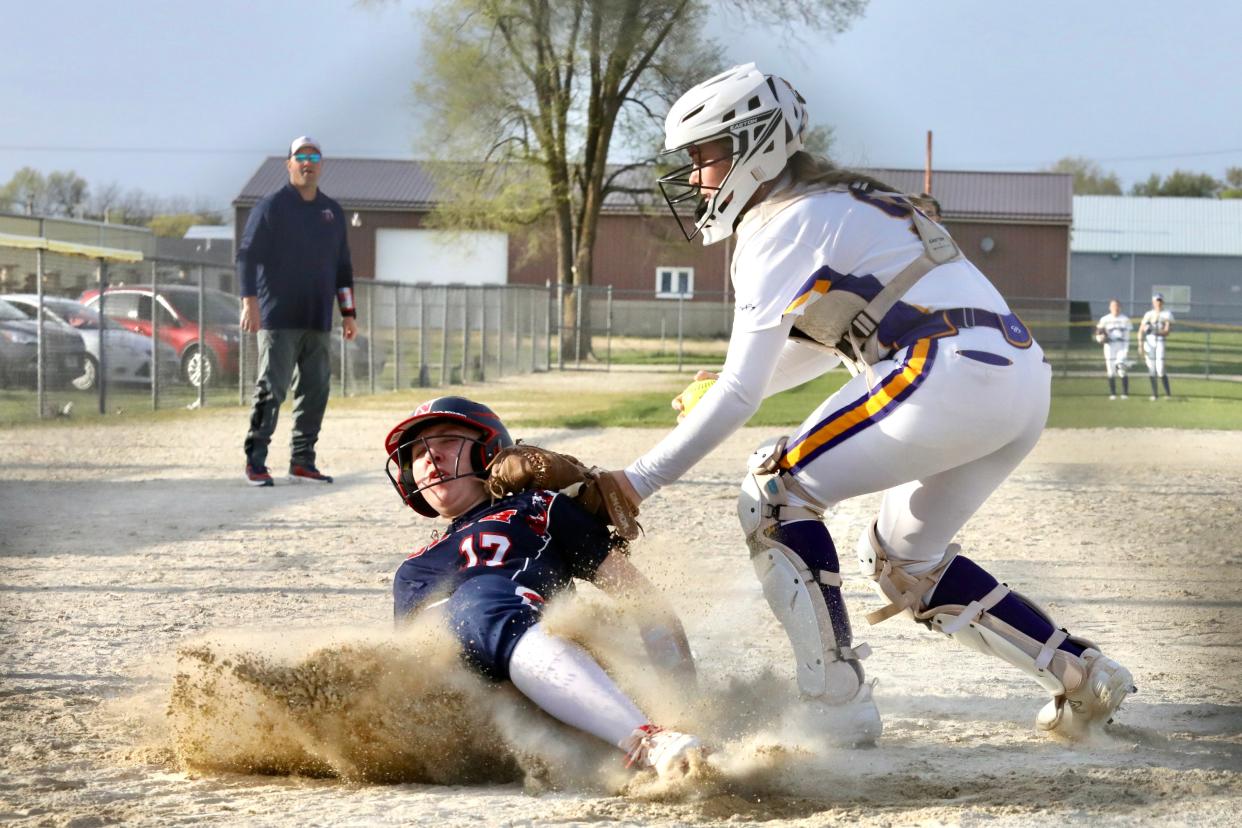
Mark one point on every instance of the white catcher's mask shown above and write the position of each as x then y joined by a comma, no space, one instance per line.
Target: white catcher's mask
765,120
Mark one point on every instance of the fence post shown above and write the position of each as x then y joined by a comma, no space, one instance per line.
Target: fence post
465,335
40,347
202,338
578,291
444,334
424,367
483,336
517,335
1207,346
681,302
609,313
560,326
103,348
396,338
371,339
155,339
532,297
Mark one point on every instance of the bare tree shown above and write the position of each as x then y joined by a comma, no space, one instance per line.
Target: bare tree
533,93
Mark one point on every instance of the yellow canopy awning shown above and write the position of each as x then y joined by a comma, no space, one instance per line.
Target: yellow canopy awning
86,251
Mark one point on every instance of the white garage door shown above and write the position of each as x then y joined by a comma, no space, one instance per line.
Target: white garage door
441,256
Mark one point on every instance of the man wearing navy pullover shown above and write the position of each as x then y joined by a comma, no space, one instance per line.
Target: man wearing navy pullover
292,263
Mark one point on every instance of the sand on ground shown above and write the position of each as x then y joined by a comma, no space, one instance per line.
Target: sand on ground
179,648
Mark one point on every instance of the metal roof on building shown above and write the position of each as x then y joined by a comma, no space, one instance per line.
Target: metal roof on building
1167,226
381,184
992,196
357,183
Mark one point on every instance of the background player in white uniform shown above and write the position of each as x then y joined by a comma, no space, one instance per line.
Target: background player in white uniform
1113,331
950,392
1153,330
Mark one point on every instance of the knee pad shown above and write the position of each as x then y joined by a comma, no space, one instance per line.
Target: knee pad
827,665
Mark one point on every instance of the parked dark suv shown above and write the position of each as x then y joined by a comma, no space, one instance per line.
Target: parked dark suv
64,353
177,305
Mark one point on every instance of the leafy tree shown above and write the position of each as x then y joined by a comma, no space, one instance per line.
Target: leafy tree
66,193
1233,180
1089,177
532,95
1179,183
26,192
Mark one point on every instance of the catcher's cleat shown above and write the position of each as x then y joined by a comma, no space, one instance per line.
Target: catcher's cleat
671,753
1092,703
855,723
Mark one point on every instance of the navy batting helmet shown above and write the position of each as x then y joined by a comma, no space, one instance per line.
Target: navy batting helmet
493,436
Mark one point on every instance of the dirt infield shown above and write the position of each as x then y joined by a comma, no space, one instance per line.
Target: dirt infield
164,628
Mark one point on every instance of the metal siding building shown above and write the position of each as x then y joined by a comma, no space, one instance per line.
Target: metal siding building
1126,247
1014,226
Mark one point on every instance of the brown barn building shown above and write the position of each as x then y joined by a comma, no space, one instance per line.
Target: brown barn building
1015,226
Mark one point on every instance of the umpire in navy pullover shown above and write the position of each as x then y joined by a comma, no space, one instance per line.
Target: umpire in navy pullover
292,263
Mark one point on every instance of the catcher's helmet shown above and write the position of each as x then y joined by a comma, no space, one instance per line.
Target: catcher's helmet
493,436
765,120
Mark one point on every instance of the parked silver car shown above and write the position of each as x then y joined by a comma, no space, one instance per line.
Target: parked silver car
129,355
64,353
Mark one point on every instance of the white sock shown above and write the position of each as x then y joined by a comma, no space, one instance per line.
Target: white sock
569,685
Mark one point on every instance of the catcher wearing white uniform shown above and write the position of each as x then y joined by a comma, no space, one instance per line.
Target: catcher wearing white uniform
949,393
1153,330
1113,332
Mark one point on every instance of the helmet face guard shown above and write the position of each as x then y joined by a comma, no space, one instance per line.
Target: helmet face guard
693,204
405,443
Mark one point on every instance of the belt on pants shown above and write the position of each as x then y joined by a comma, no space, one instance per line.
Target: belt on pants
952,321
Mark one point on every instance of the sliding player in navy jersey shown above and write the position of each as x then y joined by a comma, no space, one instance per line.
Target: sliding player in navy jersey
493,568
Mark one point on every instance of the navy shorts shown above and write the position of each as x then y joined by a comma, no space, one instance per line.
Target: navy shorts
488,614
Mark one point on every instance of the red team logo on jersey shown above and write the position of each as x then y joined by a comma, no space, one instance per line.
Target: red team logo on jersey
538,520
502,517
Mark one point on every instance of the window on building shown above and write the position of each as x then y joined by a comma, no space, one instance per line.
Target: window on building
1176,297
674,283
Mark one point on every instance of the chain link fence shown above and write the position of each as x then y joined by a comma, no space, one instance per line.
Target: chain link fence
604,329
169,338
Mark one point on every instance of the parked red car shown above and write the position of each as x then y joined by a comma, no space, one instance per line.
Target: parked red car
131,305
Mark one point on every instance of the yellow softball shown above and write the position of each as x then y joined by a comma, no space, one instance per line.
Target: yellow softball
690,397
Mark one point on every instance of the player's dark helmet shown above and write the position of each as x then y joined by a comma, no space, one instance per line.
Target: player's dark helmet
493,436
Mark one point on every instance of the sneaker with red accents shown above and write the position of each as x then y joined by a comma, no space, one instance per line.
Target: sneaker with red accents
258,475
670,752
301,474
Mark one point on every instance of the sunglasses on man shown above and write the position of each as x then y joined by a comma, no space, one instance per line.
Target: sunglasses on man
312,157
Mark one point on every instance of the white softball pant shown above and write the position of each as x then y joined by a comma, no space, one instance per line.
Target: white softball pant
1115,354
1153,353
946,422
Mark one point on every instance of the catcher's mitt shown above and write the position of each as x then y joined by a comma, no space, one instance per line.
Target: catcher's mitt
523,466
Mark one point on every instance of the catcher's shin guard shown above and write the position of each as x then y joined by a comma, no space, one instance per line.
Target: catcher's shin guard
796,563
960,599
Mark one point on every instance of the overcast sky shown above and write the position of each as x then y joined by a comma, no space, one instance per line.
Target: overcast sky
187,98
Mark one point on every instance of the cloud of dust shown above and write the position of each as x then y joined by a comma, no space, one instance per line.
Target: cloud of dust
393,707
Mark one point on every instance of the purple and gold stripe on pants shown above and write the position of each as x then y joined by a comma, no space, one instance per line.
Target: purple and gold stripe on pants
862,413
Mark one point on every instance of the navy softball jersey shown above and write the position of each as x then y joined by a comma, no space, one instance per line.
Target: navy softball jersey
497,564
294,255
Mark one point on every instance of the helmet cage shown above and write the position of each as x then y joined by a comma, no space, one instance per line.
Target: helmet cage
689,206
402,461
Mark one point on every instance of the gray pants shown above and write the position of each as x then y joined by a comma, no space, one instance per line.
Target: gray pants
280,352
